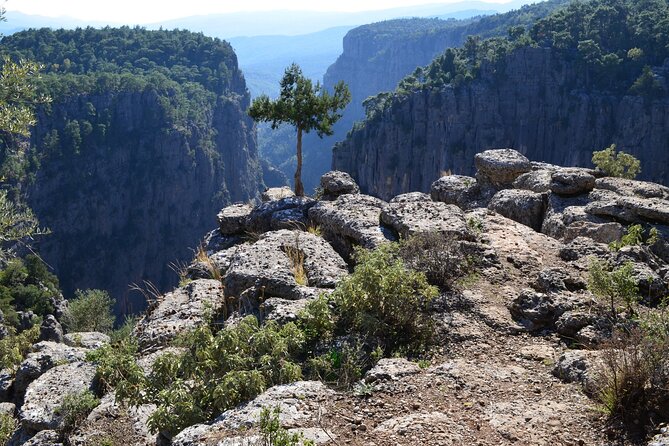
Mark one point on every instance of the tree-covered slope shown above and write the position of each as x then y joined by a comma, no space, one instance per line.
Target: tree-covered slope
146,138
588,75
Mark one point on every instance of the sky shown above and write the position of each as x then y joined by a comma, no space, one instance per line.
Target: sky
151,11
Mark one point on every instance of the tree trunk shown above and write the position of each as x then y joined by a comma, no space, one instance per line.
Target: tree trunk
299,188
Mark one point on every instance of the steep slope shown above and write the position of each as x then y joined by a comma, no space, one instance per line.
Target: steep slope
135,153
377,56
577,92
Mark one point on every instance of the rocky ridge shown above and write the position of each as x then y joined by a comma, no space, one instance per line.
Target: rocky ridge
518,354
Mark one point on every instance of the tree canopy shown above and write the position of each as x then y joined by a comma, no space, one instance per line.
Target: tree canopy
304,105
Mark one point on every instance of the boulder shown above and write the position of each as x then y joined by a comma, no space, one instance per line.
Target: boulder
274,214
46,394
410,197
633,188
630,209
583,248
578,366
524,206
215,241
599,232
572,181
87,339
350,220
51,330
391,369
422,217
7,409
460,190
500,167
276,193
281,310
540,310
44,356
336,183
232,219
558,279
181,310
267,268
571,322
538,181
45,438
299,403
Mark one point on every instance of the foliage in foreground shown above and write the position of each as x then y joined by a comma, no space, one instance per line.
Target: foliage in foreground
614,285
616,163
8,425
272,434
14,347
76,407
382,308
90,310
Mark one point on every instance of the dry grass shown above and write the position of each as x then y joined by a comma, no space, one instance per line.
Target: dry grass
296,257
201,256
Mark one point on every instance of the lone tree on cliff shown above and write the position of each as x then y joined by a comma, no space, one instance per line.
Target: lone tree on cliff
303,105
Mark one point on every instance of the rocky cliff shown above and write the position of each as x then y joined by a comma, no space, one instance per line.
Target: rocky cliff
532,104
129,203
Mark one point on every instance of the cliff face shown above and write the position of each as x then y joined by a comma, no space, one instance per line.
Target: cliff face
139,192
529,104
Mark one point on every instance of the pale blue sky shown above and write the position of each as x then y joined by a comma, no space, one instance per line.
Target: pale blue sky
148,11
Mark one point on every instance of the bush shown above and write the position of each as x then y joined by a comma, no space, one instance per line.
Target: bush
614,285
90,310
8,425
75,408
15,347
272,434
441,257
634,236
616,164
385,302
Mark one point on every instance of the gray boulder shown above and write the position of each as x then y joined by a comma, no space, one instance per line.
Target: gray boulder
352,219
279,214
421,217
538,311
268,268
336,183
7,408
581,248
500,167
232,219
45,356
281,310
410,197
44,438
46,394
538,181
558,279
572,181
180,310
299,403
524,206
276,193
89,340
578,366
460,190
571,322
599,232
633,188
632,209
51,330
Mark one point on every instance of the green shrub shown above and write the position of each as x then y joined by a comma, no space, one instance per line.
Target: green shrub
615,286
341,365
616,164
634,236
440,256
385,302
8,425
90,310
272,434
75,408
15,347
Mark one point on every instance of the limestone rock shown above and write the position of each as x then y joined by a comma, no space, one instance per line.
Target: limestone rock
599,232
282,310
540,310
577,366
352,219
180,310
45,356
289,212
524,206
46,394
51,330
571,322
632,209
266,267
421,217
299,403
557,279
456,189
583,248
232,219
572,181
410,197
537,181
391,369
86,339
45,438
500,167
336,183
276,193
624,186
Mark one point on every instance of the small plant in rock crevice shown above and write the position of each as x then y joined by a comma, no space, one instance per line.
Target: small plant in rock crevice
273,434
614,286
634,236
75,408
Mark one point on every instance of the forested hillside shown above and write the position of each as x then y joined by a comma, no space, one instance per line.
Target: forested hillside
146,138
588,75
376,57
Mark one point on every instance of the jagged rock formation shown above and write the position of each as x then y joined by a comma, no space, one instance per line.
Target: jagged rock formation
513,371
530,106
